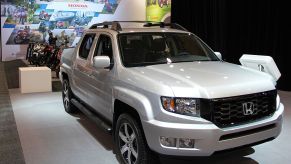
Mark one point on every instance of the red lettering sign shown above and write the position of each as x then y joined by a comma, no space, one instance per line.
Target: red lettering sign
77,5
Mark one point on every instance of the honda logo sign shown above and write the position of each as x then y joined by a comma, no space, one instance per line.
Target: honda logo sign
248,108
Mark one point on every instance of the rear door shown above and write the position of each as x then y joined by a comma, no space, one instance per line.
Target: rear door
81,70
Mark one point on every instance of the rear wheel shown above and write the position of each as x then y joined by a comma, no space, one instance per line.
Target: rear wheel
67,96
130,143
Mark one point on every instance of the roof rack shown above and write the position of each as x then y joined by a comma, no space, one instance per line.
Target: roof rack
163,25
115,25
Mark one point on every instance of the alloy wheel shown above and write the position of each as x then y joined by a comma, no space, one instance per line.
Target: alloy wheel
66,95
128,144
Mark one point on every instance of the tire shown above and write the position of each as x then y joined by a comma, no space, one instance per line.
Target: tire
57,72
41,60
130,142
67,96
17,40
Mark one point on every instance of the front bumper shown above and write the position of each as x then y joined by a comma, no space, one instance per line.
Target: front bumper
208,137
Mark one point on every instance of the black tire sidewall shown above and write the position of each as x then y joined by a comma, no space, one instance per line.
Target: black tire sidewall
70,108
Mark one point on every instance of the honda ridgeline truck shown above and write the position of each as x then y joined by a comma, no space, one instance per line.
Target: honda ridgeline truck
159,88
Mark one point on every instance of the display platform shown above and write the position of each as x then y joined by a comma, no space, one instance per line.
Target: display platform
11,69
35,79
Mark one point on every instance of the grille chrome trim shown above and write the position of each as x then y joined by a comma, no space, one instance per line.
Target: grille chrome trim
247,132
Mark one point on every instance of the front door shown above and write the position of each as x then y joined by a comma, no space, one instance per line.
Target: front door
101,79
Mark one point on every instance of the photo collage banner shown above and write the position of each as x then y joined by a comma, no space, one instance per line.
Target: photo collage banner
32,20
158,10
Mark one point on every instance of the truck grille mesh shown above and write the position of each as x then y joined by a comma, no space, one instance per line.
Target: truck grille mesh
225,112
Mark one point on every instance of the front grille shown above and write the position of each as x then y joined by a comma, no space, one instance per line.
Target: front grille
225,112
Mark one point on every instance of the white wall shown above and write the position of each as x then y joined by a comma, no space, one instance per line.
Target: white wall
10,52
127,10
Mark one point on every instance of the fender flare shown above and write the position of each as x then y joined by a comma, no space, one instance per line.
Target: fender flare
134,99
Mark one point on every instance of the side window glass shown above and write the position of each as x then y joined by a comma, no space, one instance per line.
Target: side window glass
86,45
104,47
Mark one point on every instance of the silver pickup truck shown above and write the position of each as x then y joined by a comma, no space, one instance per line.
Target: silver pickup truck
159,89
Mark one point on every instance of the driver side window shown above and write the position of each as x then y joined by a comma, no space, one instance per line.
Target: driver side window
104,47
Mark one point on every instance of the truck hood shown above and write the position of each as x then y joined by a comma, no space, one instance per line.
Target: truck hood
211,79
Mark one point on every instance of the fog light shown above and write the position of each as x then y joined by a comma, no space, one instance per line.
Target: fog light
168,141
186,143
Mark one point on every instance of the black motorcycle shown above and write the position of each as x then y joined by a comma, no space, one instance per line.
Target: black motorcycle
38,56
29,52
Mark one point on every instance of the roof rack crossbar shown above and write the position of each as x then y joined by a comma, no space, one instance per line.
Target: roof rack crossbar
163,25
115,25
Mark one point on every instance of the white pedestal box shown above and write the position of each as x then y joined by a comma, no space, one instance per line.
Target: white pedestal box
35,79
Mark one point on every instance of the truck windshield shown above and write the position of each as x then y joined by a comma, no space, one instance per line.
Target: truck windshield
142,49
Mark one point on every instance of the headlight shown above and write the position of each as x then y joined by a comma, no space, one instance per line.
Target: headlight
184,106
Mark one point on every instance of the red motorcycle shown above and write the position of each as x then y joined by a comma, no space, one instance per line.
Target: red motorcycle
22,36
43,15
58,63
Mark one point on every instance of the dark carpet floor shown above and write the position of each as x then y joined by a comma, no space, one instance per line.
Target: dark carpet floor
12,75
56,86
11,70
10,147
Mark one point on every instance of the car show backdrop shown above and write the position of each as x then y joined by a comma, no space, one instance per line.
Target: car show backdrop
158,10
239,27
24,21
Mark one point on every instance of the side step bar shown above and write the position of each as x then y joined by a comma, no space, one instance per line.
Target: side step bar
107,128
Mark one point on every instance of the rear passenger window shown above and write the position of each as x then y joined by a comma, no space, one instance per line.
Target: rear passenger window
86,45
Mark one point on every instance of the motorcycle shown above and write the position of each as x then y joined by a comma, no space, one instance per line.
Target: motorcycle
59,56
43,15
52,59
29,52
37,54
47,52
22,36
62,43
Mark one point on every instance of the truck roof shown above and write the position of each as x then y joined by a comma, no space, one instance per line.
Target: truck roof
137,26
140,30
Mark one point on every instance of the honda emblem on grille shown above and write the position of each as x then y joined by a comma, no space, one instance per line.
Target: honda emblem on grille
248,108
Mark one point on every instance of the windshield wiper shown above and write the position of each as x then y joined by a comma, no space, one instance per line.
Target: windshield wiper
144,64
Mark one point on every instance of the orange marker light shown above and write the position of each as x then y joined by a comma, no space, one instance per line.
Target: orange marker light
165,103
172,104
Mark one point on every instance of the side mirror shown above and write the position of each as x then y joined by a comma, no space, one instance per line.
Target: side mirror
218,54
101,62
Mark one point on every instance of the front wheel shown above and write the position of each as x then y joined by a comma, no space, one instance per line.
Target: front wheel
17,40
130,143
